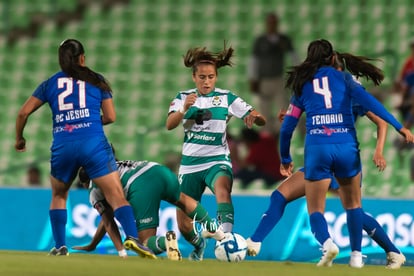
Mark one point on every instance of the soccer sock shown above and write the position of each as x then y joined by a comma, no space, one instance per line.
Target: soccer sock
157,244
58,219
201,215
354,223
125,216
319,227
193,238
271,217
225,215
377,233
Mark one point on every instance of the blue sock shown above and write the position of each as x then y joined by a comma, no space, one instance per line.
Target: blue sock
354,223
377,233
271,217
58,219
125,216
319,227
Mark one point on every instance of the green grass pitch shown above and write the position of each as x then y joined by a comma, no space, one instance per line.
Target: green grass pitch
38,263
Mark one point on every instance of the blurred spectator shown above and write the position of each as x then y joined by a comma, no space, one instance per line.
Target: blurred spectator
34,176
234,152
266,70
405,85
262,160
172,161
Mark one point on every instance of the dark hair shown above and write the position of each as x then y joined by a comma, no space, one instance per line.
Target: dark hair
360,66
320,53
69,52
197,56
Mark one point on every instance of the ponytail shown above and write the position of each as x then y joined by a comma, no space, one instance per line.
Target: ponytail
69,52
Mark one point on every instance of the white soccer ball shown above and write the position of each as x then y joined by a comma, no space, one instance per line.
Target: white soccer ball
232,248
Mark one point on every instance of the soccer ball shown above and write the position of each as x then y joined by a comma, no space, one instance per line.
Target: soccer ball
232,248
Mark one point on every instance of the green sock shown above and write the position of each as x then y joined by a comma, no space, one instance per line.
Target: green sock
225,215
193,238
157,244
201,215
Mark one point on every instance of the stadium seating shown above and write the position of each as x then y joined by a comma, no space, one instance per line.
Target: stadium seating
139,46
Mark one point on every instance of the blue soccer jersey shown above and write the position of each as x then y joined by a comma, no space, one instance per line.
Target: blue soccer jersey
327,101
76,116
75,106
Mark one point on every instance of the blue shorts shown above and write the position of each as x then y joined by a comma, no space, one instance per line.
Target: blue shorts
324,161
92,153
334,184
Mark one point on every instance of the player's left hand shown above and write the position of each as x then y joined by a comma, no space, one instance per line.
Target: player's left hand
409,137
254,117
281,115
286,169
379,161
20,145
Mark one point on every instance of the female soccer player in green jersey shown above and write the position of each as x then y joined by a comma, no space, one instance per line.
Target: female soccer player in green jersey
204,112
145,185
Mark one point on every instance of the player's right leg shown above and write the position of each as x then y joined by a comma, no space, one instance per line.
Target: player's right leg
186,228
58,217
395,259
289,190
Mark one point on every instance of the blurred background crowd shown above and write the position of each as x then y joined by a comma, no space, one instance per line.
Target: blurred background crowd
140,46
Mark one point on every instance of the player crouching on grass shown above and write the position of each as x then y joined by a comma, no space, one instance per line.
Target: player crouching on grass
145,184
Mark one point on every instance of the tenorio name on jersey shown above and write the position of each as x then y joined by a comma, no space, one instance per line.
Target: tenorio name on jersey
327,119
72,115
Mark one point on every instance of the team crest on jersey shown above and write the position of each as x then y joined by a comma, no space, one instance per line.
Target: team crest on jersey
216,100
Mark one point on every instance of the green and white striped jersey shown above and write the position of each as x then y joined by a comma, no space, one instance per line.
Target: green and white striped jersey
129,170
205,124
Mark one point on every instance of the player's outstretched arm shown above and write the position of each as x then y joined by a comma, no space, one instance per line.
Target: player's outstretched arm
382,127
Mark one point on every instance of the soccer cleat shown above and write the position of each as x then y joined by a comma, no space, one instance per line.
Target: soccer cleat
62,251
173,253
198,252
253,248
395,260
356,259
133,244
218,235
329,252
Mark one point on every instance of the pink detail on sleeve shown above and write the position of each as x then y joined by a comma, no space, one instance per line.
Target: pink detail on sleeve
294,111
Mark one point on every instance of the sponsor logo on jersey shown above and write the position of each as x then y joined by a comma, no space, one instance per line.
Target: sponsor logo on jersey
328,131
204,137
70,128
146,220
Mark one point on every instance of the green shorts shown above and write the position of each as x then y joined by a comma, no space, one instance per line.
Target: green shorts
194,184
147,191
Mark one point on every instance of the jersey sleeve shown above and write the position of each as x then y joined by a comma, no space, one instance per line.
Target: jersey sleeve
237,106
40,91
358,110
289,124
106,95
96,198
361,96
177,103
